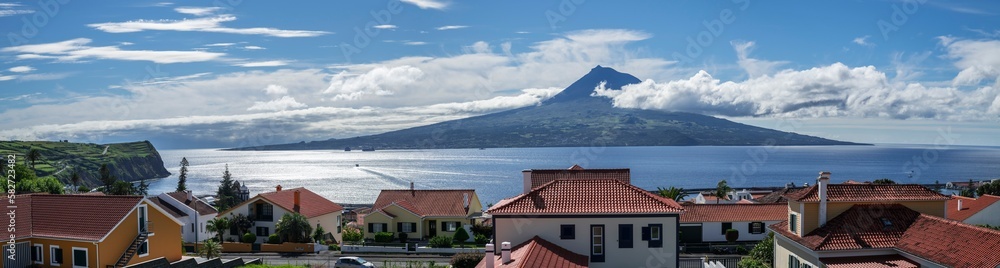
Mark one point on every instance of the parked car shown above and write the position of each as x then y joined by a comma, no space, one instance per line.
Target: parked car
353,262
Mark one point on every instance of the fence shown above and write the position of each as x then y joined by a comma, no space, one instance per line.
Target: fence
729,262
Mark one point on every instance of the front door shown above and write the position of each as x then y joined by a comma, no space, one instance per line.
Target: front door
597,243
142,220
433,231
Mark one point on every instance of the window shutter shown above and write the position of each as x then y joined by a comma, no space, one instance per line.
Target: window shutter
413,226
645,233
750,228
444,226
371,227
385,227
399,227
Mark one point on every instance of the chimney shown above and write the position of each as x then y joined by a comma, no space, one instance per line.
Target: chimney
413,192
465,200
959,203
527,180
190,196
296,207
277,188
823,181
505,252
490,258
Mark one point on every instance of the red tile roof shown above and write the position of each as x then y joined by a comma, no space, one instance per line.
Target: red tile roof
447,203
540,177
883,261
970,206
311,204
776,197
586,196
734,212
174,211
951,243
860,227
538,252
868,193
81,217
202,207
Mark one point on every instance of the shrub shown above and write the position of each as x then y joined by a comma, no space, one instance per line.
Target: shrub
403,237
383,237
441,241
273,239
461,236
732,235
482,239
466,260
352,234
741,250
249,238
334,247
482,229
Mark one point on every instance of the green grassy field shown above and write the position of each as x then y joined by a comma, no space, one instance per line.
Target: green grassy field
61,159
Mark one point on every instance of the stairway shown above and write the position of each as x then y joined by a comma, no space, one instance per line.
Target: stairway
132,249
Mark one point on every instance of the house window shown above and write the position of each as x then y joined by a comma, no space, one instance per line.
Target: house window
143,249
624,236
407,227
726,226
263,231
757,227
450,226
192,227
55,255
80,257
793,223
36,253
378,228
653,235
597,243
567,231
793,262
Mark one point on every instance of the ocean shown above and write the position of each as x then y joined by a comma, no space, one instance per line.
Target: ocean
495,173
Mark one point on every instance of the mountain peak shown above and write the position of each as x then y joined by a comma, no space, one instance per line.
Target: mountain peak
584,86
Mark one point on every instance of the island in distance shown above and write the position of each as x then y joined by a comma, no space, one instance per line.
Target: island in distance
572,118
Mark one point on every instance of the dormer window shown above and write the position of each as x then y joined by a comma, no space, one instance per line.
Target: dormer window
886,223
793,223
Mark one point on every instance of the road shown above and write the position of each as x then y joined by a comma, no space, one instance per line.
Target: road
331,257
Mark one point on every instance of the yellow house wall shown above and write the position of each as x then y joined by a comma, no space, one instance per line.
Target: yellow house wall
810,217
67,248
329,222
375,218
935,208
165,240
403,215
783,248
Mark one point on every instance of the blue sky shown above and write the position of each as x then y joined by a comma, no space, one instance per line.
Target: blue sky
236,73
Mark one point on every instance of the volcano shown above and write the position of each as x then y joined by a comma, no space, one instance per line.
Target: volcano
572,118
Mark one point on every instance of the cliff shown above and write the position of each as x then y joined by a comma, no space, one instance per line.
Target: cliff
130,161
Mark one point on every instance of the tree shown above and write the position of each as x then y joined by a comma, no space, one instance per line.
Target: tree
762,255
992,188
106,177
32,156
182,178
721,190
226,196
218,226
75,178
210,249
677,194
884,181
142,189
23,173
293,227
241,222
40,185
967,193
461,236
120,187
318,234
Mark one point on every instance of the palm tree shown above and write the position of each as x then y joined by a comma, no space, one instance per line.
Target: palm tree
677,194
721,190
210,249
75,178
32,156
293,227
218,226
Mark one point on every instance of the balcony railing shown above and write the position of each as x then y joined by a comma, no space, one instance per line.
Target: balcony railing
147,228
267,218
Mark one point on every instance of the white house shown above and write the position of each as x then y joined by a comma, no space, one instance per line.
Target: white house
709,222
267,208
610,222
731,198
982,210
190,210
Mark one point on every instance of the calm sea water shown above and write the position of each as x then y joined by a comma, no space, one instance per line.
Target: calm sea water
357,177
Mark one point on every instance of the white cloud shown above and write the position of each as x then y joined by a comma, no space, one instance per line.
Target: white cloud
829,91
863,41
197,11
754,67
21,69
220,44
204,24
284,103
978,60
43,77
380,81
253,48
415,43
7,77
427,4
270,63
451,27
77,49
13,9
385,26
273,89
